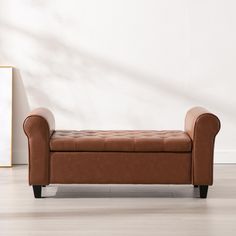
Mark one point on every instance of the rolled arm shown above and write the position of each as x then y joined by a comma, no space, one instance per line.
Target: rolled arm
38,127
202,127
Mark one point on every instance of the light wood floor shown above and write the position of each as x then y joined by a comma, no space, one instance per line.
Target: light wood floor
117,210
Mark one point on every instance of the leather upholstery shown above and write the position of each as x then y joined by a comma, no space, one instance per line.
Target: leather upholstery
121,140
135,157
39,126
202,126
120,168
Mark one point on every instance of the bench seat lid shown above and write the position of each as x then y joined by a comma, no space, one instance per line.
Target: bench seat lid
120,141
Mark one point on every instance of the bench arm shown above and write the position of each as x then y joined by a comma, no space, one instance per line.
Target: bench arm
202,127
38,127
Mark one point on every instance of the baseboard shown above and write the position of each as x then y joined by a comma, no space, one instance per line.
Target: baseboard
222,156
225,156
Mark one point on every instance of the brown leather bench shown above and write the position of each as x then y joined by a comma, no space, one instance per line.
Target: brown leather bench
121,156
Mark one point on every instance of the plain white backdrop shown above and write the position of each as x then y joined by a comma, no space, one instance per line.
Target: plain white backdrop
121,64
5,116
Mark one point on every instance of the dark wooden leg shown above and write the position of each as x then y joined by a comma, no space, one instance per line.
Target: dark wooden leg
37,191
203,191
195,186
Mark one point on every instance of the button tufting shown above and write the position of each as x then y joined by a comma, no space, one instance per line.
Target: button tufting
121,140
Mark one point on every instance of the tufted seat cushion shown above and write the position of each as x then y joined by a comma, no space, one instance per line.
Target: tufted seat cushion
121,141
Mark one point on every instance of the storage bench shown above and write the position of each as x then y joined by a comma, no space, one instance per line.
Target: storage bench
121,156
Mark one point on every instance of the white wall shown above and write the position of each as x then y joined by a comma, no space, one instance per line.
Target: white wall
121,64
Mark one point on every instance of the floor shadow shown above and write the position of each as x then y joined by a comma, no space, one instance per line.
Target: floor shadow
120,191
